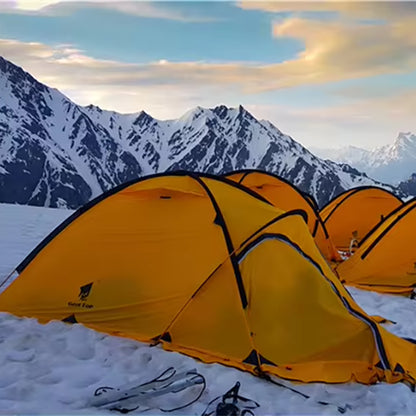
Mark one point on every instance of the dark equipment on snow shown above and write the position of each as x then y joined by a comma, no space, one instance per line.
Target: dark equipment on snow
133,396
231,404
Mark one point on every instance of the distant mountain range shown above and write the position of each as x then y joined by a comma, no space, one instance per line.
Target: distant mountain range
56,153
392,163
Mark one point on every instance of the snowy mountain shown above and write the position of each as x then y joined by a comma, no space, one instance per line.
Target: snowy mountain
58,154
390,163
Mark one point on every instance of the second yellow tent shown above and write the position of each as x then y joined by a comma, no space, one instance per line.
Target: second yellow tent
287,197
386,259
354,213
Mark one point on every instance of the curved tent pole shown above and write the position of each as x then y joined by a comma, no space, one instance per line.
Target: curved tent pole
115,190
394,212
308,198
350,192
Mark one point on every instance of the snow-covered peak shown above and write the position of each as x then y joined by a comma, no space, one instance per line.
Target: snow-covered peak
390,163
9,70
396,161
56,153
94,108
405,143
142,119
221,111
194,114
408,138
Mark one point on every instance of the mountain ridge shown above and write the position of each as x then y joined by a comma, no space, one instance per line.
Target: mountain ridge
56,153
392,163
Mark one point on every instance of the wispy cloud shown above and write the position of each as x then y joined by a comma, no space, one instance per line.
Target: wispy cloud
138,8
115,85
333,52
366,38
336,51
167,90
367,9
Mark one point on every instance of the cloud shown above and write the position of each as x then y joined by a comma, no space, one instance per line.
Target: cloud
367,38
115,85
167,90
138,8
32,4
368,9
332,52
336,51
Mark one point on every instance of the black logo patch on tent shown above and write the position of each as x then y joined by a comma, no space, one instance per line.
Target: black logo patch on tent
85,291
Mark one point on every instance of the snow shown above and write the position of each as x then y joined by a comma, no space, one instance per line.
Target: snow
55,368
22,228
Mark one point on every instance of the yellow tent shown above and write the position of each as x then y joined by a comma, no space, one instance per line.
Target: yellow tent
354,213
386,258
171,259
283,195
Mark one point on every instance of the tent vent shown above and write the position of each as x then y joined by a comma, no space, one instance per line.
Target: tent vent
266,361
379,365
399,369
166,337
70,319
252,359
217,220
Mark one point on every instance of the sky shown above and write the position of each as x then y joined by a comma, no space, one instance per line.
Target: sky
329,74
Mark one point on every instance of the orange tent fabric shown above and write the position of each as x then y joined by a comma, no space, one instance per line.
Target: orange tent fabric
386,259
287,197
354,213
209,269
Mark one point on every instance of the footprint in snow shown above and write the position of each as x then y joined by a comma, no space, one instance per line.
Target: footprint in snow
21,356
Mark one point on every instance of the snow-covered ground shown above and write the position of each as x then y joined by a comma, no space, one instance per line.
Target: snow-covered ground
21,229
55,368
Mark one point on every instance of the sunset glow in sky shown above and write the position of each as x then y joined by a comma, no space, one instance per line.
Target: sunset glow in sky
327,73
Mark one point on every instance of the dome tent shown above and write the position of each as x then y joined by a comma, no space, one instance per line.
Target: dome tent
283,195
385,260
352,214
170,259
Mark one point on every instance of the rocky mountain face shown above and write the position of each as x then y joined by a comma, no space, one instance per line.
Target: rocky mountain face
390,163
58,154
408,187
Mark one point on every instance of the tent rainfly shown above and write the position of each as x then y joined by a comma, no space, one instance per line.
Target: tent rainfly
352,214
285,196
386,259
208,269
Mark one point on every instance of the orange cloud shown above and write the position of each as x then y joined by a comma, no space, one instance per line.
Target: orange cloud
336,51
